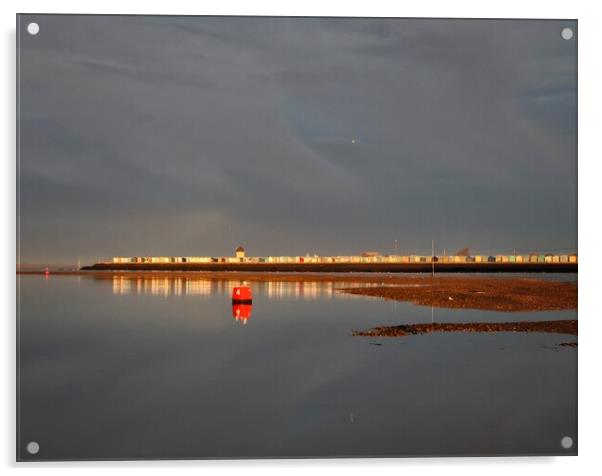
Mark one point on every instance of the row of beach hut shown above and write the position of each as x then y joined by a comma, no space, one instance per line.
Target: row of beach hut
530,258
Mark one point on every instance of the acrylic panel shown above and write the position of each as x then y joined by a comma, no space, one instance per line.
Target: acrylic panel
273,237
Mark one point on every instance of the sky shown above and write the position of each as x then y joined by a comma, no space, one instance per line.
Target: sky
187,136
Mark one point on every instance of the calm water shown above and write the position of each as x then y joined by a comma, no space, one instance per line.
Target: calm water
160,368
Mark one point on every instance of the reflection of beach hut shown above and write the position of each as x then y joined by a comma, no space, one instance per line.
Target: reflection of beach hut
573,258
519,259
504,259
555,259
548,258
512,259
478,259
564,258
541,259
532,258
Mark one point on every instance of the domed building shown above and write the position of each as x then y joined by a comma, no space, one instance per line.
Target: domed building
240,252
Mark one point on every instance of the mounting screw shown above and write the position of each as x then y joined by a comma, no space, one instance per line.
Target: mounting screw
566,33
33,447
33,28
566,442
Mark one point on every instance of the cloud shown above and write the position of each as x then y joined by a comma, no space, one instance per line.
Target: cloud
465,131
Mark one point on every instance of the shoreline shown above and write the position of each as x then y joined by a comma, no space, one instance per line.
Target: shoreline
568,327
260,275
491,294
440,267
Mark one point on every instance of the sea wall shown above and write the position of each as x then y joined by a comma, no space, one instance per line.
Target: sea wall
344,267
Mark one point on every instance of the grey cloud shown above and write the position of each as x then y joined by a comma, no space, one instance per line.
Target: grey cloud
240,130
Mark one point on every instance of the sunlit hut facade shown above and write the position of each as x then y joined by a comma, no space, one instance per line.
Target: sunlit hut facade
240,256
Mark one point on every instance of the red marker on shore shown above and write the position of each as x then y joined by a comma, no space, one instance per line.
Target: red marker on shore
46,272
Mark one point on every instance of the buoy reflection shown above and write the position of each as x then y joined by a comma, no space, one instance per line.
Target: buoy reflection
242,312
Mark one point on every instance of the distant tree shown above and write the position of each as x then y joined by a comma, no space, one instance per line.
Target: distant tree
463,252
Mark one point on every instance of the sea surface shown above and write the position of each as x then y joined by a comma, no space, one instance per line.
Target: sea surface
128,367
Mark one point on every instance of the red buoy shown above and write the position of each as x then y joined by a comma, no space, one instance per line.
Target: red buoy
242,294
241,312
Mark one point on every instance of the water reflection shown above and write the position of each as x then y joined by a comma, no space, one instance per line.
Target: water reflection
242,312
190,286
164,286
310,387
